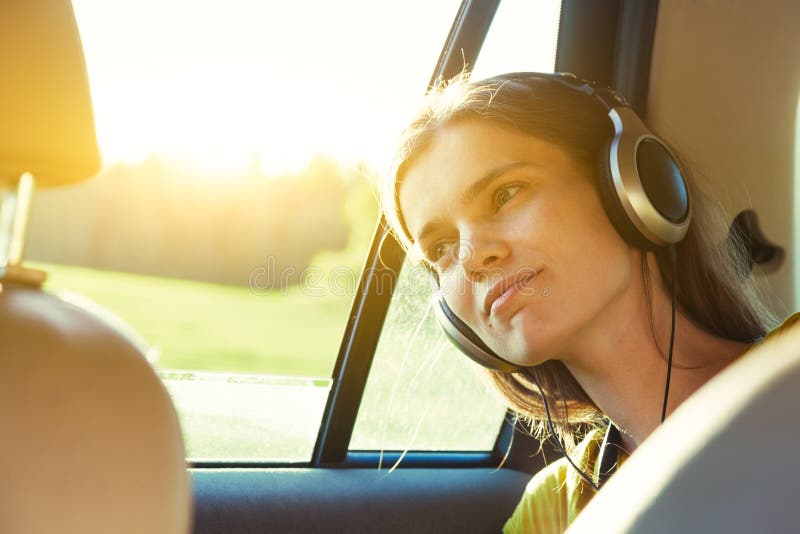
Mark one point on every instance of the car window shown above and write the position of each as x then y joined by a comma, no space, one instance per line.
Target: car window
234,210
422,393
523,37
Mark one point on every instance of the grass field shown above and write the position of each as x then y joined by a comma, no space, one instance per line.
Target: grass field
214,327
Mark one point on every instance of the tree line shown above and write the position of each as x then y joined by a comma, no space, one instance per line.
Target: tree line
168,219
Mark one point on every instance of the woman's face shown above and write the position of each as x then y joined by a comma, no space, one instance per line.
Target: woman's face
490,206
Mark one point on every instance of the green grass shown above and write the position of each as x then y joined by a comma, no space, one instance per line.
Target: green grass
214,327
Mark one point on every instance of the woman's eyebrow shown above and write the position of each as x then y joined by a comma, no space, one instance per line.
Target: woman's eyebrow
486,180
429,228
474,190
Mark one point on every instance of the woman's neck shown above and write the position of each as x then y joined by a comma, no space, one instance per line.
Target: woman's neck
618,364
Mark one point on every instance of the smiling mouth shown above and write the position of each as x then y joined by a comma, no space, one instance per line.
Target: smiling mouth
503,291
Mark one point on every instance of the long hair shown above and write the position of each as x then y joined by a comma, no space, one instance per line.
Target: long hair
715,290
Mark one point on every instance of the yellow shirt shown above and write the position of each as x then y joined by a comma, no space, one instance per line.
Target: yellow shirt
557,493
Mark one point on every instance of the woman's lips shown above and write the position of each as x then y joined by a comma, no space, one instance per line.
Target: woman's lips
505,290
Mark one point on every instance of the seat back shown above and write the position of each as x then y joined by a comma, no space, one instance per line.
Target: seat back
91,442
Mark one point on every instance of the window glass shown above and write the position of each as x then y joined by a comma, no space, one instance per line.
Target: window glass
523,37
422,393
232,216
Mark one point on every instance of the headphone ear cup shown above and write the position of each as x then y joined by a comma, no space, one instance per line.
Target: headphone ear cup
613,206
662,180
462,327
466,340
641,185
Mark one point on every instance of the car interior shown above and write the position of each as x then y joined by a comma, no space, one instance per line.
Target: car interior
94,439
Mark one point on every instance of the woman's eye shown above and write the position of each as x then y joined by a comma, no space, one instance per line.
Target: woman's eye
503,195
438,251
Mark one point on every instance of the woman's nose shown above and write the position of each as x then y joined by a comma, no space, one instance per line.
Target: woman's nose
480,256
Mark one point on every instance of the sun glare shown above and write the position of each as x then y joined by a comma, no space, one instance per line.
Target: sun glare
227,84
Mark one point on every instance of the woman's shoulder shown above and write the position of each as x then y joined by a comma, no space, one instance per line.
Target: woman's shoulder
785,325
792,319
556,494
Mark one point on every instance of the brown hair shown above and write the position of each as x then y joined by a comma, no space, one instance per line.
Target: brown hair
714,289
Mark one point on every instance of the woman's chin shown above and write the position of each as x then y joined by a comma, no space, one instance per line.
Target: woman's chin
523,355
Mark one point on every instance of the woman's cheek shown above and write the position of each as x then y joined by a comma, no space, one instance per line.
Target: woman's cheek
460,297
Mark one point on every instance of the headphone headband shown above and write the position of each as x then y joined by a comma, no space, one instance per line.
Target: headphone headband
606,96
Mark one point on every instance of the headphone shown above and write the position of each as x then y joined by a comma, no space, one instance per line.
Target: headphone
641,187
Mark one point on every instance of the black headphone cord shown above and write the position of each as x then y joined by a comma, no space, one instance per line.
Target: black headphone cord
672,331
583,475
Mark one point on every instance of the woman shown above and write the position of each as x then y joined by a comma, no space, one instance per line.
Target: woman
497,189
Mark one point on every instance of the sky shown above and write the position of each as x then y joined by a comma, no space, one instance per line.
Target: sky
224,85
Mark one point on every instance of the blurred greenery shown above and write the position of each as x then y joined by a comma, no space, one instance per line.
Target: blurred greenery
167,218
203,326
258,325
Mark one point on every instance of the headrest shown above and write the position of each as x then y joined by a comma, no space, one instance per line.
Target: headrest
46,121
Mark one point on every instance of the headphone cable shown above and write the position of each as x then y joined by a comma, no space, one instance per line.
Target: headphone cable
672,331
561,447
